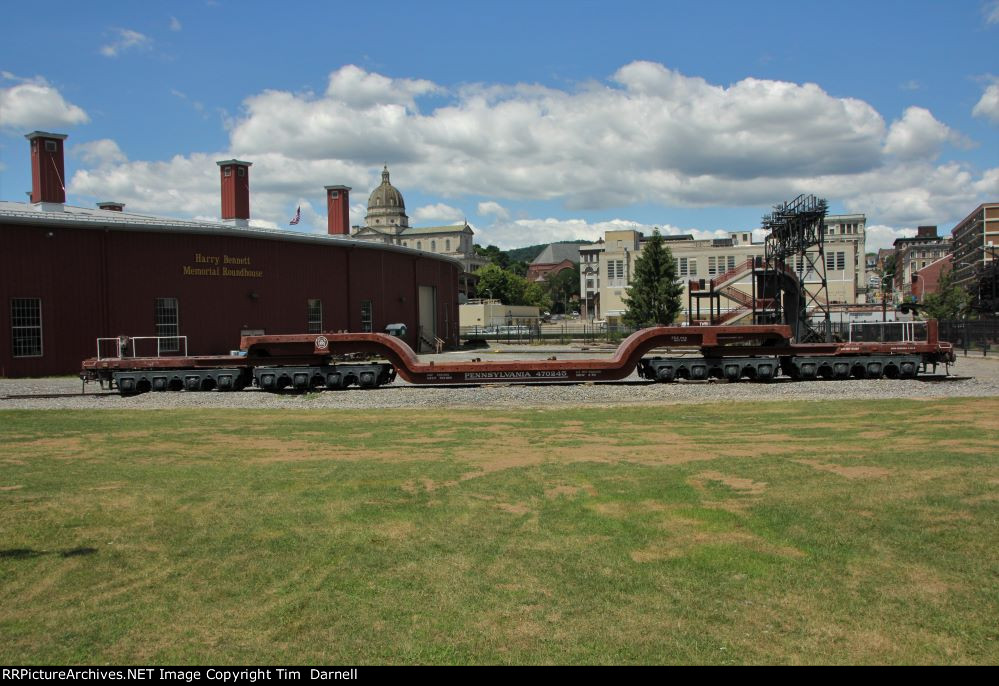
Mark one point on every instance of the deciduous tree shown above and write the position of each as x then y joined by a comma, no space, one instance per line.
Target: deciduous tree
950,301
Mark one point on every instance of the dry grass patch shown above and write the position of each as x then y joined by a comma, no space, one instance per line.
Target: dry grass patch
569,491
735,483
850,472
514,508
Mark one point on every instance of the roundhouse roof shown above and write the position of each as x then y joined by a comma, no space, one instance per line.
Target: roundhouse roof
68,216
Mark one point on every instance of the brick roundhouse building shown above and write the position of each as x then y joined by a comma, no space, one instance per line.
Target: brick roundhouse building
71,275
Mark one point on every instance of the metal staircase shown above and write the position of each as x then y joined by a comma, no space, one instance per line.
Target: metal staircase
723,286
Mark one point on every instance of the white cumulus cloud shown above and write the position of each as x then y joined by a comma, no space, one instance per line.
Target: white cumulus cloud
99,153
644,137
438,213
880,236
359,88
917,135
648,135
34,104
494,209
988,106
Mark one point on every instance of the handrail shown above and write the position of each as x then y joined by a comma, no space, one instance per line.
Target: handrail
722,280
735,294
732,315
125,344
745,266
907,331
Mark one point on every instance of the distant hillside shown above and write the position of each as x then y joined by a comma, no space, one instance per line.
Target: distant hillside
530,252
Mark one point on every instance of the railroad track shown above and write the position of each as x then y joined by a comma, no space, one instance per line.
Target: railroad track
43,396
925,378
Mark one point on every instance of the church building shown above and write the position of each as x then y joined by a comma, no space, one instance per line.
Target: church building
386,221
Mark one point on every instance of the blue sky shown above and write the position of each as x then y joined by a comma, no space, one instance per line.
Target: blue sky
536,121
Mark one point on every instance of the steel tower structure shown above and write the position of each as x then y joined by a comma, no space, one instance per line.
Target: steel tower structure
795,255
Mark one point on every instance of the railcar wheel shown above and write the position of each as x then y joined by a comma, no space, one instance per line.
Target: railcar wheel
764,372
808,371
665,374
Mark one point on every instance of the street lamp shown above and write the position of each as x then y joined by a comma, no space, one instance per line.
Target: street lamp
884,299
916,276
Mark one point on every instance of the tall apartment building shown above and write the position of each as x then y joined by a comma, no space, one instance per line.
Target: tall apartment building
975,244
913,254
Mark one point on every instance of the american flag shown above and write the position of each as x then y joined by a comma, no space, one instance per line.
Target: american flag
298,216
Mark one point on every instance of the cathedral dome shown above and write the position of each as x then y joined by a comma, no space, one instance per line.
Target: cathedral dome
386,208
386,196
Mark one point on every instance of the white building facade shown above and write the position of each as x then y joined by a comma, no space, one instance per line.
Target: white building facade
607,268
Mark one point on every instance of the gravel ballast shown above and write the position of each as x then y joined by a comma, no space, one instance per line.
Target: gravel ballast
984,381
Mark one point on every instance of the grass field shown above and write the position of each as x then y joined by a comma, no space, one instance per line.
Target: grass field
830,532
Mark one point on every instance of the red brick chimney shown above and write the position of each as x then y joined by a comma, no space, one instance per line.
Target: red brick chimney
111,206
235,189
48,173
338,210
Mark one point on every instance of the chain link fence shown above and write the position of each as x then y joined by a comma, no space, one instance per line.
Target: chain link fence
967,335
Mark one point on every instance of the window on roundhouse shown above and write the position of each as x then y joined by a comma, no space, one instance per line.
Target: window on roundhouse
367,317
167,316
315,315
26,327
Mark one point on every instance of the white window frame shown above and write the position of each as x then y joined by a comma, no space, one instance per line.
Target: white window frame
170,342
313,325
367,323
22,327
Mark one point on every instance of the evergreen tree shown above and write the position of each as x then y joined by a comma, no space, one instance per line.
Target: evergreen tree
655,295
